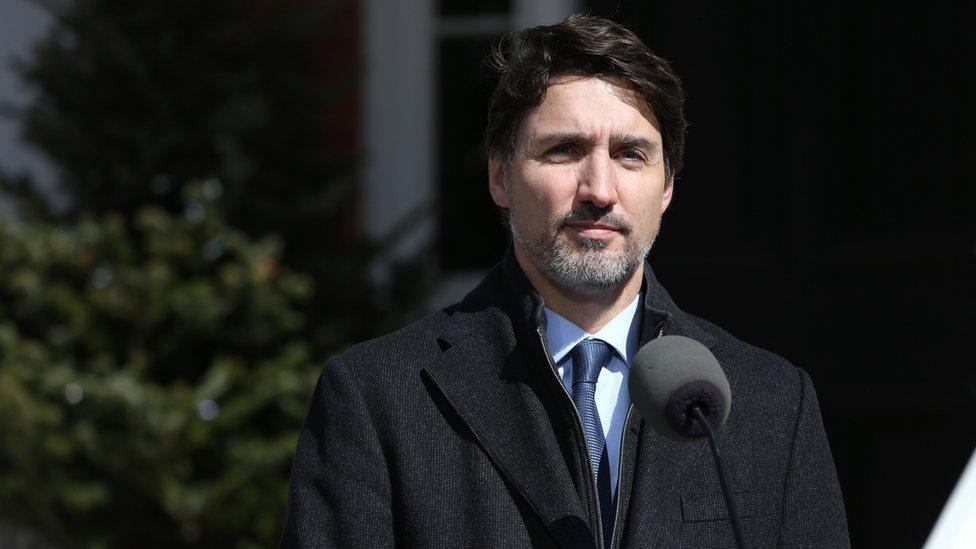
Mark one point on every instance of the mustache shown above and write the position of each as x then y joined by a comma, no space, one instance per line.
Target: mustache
587,212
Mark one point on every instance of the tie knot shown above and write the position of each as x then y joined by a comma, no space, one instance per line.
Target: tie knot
589,357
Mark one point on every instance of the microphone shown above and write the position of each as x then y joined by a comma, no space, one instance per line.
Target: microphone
679,388
668,376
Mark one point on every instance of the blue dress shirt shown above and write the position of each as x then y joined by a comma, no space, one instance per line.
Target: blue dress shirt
622,333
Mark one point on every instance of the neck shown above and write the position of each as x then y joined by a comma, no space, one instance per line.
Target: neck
588,310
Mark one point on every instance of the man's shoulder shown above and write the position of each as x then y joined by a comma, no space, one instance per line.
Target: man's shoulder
404,345
769,393
749,363
416,343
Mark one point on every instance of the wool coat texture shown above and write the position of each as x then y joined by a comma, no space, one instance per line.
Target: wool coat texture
455,432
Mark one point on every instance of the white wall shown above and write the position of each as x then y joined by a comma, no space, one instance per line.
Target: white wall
400,115
21,24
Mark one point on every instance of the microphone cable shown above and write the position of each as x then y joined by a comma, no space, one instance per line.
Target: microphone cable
723,476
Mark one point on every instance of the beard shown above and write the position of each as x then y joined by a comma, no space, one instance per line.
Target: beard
579,263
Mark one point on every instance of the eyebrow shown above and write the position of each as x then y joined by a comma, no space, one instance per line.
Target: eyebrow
633,141
550,139
627,140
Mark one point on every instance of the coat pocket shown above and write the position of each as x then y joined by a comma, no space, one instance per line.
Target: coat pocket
711,506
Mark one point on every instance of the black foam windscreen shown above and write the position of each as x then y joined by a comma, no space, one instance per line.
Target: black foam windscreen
668,376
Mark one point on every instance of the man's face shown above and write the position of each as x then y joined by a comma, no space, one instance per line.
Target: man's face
586,186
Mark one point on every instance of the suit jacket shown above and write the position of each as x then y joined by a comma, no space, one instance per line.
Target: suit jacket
455,432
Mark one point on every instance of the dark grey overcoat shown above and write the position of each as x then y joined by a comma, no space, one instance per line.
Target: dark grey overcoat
455,432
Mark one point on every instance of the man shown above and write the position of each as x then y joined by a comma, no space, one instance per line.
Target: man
505,420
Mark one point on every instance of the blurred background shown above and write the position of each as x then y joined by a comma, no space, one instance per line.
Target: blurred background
202,201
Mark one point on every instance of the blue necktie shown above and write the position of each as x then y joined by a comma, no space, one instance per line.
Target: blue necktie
590,356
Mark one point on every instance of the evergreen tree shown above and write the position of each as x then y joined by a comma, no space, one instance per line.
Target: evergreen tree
152,379
157,344
136,98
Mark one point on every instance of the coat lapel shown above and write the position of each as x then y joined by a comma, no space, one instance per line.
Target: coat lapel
488,378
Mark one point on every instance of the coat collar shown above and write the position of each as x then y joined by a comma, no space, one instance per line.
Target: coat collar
493,372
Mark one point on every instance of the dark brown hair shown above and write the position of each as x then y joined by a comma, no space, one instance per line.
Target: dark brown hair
525,61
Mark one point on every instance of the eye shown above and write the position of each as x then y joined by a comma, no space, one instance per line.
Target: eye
562,152
632,155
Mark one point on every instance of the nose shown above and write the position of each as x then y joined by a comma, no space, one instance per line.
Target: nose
598,182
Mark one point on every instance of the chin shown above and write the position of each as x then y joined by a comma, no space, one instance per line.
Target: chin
583,243
588,244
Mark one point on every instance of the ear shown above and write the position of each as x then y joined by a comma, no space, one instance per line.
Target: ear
498,181
667,194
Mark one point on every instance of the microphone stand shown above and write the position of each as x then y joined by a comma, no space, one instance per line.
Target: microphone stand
723,476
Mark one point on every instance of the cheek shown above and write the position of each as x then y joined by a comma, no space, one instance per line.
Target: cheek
644,210
549,192
640,203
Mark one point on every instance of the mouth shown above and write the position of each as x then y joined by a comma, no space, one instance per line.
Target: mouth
593,230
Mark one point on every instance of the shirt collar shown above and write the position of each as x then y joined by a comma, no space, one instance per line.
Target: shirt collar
622,332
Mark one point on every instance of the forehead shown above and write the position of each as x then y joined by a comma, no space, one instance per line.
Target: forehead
594,105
